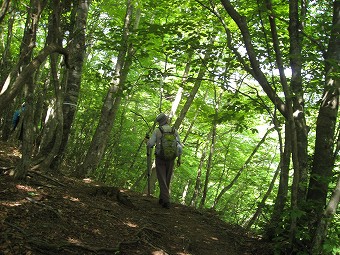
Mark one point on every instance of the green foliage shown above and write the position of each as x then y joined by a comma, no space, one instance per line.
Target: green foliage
170,36
331,245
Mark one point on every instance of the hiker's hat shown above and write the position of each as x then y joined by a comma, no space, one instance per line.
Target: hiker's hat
162,119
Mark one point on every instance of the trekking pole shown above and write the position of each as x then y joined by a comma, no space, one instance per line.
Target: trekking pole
148,158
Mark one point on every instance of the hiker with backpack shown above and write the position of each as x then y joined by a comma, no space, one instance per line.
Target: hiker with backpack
168,148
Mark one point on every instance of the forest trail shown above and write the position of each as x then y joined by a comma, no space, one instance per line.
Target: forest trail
60,215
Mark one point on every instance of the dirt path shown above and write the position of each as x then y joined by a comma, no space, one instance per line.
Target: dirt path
49,215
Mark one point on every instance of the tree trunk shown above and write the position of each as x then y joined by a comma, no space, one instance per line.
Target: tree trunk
29,41
212,149
263,201
52,134
323,161
255,65
327,216
295,36
282,193
57,120
5,63
3,10
197,85
198,182
112,101
5,67
228,187
9,92
209,164
77,48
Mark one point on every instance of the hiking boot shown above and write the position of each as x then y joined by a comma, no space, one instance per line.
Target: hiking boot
166,205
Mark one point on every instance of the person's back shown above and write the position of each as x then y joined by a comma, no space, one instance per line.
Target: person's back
168,143
165,164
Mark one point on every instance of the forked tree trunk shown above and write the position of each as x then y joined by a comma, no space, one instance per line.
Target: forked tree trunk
73,74
27,46
52,132
297,11
57,133
5,67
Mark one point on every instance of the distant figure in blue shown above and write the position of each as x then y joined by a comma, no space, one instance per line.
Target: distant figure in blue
16,119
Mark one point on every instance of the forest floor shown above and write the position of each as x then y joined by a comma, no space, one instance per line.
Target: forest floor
48,214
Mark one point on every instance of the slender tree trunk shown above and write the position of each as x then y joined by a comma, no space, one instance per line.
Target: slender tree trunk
194,90
255,65
264,199
197,112
5,63
209,165
112,101
295,36
223,173
198,182
296,66
327,216
212,149
185,192
5,67
228,187
282,193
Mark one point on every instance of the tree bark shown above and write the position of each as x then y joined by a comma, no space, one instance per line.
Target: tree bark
281,198
327,216
52,131
6,63
209,163
77,49
4,8
295,30
10,92
111,103
28,43
323,161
